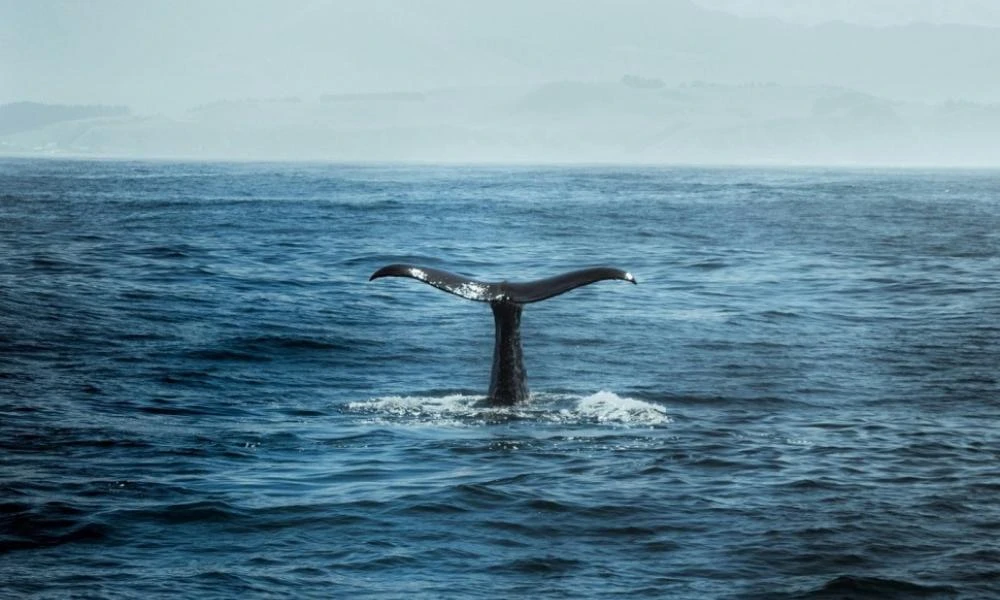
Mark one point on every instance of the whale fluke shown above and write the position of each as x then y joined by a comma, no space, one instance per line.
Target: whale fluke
508,383
459,285
543,289
485,291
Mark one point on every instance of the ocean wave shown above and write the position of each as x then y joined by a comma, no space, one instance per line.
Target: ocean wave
24,527
850,586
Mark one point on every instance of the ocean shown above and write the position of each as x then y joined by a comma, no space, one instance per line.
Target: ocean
203,396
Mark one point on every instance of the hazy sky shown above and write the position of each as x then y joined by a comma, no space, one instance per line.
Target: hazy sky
867,12
159,55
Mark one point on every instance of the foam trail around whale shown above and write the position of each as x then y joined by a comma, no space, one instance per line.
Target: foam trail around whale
604,408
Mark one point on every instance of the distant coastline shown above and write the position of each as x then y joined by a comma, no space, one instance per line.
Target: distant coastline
633,120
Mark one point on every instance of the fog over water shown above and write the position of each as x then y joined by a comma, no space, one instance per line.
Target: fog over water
673,81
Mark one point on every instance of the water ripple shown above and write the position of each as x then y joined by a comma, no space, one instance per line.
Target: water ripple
202,396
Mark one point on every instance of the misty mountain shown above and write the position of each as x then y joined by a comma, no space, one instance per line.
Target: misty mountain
25,116
523,80
634,119
181,54
678,41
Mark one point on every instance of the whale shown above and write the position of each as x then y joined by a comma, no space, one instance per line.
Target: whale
508,378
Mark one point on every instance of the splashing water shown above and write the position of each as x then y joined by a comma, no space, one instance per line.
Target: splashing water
604,407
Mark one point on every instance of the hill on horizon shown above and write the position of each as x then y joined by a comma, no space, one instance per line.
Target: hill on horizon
181,55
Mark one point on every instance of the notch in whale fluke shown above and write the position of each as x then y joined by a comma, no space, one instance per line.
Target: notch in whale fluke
508,380
503,291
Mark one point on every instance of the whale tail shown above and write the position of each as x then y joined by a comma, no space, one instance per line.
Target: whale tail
508,380
503,291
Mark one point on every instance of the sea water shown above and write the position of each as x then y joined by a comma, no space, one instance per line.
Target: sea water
203,396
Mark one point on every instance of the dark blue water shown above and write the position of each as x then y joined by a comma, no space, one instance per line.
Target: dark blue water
202,396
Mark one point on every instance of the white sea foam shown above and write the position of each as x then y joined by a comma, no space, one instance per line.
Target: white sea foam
605,408
422,408
608,407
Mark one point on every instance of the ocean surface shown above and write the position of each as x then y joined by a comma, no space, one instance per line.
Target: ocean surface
203,396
